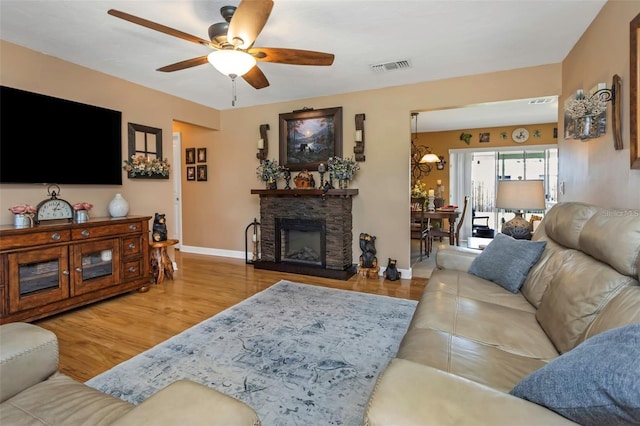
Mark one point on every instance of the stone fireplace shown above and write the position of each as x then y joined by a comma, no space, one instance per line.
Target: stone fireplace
306,231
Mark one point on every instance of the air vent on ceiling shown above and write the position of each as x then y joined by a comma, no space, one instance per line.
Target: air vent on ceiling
538,101
391,66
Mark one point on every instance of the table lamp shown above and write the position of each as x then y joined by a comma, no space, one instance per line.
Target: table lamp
520,195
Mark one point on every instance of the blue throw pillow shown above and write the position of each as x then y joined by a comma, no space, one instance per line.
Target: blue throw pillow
596,383
507,261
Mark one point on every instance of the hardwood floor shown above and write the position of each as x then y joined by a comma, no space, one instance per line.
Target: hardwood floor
97,337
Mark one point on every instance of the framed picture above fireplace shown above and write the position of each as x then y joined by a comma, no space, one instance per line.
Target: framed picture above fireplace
309,137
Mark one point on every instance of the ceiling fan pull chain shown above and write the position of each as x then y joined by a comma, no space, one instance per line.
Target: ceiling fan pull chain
233,89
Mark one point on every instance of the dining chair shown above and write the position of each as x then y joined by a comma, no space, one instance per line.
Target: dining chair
420,224
440,232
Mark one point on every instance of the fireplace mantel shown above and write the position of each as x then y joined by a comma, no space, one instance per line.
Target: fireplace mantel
305,192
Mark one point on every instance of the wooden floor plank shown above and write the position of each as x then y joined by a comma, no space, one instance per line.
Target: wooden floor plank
97,337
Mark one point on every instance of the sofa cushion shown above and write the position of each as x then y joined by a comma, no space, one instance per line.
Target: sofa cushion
564,222
596,383
621,310
576,295
506,261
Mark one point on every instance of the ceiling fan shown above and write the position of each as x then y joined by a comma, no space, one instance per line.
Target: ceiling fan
232,43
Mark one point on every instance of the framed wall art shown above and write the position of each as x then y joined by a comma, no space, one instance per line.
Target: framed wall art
202,155
190,155
202,173
191,173
309,137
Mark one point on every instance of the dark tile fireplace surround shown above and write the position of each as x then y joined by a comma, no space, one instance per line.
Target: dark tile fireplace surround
306,231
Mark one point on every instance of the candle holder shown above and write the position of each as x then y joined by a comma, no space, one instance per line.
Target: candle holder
322,170
287,179
431,206
263,143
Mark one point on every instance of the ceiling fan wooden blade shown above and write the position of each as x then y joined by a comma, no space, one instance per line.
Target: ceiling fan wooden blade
256,78
291,56
194,62
247,22
159,27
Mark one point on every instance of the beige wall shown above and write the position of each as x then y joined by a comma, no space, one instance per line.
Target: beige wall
593,171
216,212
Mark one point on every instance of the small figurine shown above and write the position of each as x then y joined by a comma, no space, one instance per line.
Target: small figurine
159,228
392,273
367,245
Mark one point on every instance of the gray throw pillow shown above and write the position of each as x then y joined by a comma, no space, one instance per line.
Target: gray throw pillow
506,261
595,383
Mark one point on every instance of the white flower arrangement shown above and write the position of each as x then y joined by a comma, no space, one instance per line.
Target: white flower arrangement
269,171
145,166
343,168
586,106
419,190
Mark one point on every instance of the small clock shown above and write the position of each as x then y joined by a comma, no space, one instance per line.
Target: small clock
54,208
520,135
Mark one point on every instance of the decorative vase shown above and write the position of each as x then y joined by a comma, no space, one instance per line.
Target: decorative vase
343,183
271,184
22,220
82,216
118,207
586,127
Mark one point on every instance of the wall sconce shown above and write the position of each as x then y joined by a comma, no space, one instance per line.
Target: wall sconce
263,143
358,150
440,164
587,116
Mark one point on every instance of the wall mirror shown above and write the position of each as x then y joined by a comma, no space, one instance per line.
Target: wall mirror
145,141
634,109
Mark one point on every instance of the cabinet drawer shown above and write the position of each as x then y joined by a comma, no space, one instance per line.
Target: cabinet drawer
132,246
105,231
35,239
132,269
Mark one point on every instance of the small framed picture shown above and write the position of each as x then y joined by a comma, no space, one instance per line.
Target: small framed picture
190,155
191,173
202,173
484,137
202,155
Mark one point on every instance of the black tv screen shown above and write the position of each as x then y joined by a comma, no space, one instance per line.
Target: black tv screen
50,140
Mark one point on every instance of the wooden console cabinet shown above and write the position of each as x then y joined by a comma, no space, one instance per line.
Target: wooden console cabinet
52,268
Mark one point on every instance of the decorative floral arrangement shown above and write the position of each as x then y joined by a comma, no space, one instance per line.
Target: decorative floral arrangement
586,106
269,171
22,209
141,166
419,190
82,206
343,168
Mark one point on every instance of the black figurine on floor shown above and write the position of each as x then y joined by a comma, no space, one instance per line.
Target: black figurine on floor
392,273
368,246
159,227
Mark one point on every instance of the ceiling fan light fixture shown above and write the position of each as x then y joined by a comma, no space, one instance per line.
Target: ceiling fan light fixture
231,62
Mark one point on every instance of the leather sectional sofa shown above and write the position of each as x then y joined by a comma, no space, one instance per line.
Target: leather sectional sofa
471,341
34,392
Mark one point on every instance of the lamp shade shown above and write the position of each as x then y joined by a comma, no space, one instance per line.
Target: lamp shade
233,63
521,195
430,158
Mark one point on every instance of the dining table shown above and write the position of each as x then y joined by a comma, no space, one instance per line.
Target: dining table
451,215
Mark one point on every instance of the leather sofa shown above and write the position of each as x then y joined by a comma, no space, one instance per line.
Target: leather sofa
471,341
34,392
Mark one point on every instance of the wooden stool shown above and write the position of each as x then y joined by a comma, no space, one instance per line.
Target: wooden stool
161,263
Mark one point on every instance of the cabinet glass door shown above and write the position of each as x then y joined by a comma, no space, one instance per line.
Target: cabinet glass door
95,266
38,277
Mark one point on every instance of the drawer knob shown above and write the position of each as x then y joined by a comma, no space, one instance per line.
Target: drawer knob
132,269
131,246
133,227
85,233
78,269
65,272
55,236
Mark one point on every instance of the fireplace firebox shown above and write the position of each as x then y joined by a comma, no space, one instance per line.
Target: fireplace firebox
301,241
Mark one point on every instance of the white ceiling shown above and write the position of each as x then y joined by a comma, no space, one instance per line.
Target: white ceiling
440,38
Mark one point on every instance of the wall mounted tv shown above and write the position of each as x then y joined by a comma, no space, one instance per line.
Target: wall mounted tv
50,140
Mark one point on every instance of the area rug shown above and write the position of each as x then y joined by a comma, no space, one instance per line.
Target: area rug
296,353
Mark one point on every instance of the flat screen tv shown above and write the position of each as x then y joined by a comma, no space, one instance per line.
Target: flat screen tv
50,140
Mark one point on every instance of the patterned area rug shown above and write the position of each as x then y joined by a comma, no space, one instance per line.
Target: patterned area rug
296,353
